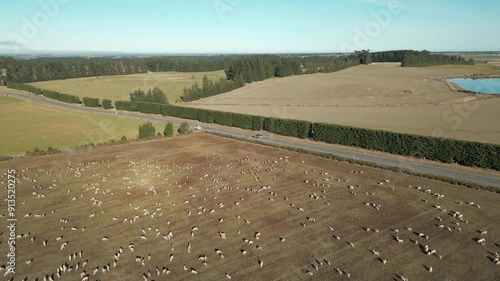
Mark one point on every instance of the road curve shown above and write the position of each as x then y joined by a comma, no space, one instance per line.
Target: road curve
324,148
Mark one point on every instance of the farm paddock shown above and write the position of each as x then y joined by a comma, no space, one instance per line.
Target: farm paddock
202,207
382,96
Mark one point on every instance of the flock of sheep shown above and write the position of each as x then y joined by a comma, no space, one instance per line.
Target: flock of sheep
164,219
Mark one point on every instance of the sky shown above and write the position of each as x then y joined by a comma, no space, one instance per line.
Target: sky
248,26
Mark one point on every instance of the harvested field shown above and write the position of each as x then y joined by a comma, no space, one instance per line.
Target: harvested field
203,208
28,125
381,96
120,86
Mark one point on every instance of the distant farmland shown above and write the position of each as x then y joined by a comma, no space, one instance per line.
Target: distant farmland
379,96
119,87
27,125
217,207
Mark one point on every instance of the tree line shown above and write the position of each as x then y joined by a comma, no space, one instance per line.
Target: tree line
327,64
44,69
425,58
89,102
412,58
210,88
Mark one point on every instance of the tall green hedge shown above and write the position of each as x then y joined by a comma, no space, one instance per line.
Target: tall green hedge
46,93
106,104
287,127
24,87
439,149
91,102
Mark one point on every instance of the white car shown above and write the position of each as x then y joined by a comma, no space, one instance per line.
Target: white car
197,127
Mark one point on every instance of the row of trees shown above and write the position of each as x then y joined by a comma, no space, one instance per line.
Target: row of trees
156,95
425,58
46,93
90,102
209,88
392,56
438,149
258,68
43,69
327,64
411,58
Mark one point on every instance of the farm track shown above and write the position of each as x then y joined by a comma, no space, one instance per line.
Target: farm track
276,140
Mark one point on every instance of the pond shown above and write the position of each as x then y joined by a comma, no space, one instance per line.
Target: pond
482,85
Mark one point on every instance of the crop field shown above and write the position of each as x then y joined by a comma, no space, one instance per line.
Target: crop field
201,207
120,86
28,125
380,96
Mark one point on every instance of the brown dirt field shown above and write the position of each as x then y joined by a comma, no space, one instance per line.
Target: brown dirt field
380,96
194,173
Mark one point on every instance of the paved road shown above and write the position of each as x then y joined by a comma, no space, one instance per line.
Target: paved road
416,167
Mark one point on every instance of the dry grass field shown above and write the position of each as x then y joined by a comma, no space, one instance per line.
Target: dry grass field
27,125
119,87
381,96
250,212
492,59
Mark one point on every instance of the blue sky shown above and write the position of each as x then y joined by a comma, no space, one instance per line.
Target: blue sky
248,26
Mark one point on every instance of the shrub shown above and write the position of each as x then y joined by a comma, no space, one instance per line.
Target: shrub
184,128
147,131
169,130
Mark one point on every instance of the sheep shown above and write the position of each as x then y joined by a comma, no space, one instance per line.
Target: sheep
260,262
227,275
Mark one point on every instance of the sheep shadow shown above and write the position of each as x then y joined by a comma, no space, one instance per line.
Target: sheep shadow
428,268
491,259
398,277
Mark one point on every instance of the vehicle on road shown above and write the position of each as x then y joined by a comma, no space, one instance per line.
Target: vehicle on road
258,136
197,127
